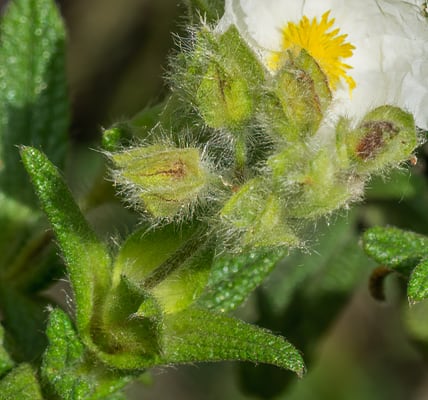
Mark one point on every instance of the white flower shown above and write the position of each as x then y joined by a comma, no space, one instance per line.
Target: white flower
374,52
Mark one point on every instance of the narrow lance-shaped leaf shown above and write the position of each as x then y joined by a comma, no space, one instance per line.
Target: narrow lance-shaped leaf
234,277
397,249
197,335
417,289
34,107
86,257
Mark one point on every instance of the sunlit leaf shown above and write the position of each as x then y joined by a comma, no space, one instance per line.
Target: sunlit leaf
87,259
199,335
397,249
234,277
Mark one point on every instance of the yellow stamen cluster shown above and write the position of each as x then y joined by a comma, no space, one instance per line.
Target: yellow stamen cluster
326,46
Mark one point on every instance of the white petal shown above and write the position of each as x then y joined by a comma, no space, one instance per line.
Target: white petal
389,62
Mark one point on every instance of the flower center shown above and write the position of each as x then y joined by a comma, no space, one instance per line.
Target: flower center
326,46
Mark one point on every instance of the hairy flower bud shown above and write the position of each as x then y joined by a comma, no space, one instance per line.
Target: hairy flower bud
222,76
258,216
385,137
297,98
163,180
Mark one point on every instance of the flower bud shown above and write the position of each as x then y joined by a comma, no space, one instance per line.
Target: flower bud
320,188
223,76
386,136
162,180
258,216
297,98
223,100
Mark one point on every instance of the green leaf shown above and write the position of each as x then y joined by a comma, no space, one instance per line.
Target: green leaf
129,339
234,277
6,363
196,335
397,249
87,259
66,370
417,289
34,107
20,383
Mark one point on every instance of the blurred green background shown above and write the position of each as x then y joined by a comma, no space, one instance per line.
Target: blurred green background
355,346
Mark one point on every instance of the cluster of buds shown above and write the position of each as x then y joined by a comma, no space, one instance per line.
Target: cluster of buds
275,162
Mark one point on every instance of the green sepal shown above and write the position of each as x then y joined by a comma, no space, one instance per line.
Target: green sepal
385,137
224,100
297,97
397,249
126,329
34,105
6,362
157,272
322,188
258,217
170,263
417,288
198,335
161,179
234,277
184,285
20,383
146,249
87,259
313,183
66,369
222,76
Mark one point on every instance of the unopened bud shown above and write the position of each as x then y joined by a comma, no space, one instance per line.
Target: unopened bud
163,180
223,100
258,216
297,99
322,188
223,75
386,136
